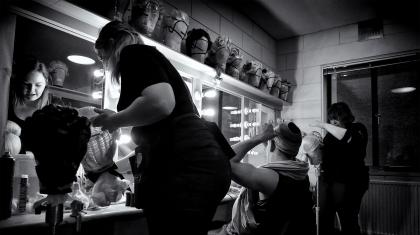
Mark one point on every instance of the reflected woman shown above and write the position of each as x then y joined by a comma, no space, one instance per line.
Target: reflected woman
28,90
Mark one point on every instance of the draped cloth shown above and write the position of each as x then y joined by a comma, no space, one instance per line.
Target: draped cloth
243,220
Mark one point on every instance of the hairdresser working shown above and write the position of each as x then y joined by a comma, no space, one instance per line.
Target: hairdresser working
345,177
276,198
188,173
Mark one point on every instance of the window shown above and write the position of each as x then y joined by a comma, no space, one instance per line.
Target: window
225,110
81,84
384,96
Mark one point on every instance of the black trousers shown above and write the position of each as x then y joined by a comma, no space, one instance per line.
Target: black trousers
187,177
343,199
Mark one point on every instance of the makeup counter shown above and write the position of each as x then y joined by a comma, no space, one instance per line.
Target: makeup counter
59,29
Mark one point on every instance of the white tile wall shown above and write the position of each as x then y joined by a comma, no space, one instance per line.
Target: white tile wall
294,76
242,22
326,47
306,93
308,109
206,16
184,5
232,31
294,60
252,46
348,34
281,62
290,45
321,40
222,9
311,75
269,58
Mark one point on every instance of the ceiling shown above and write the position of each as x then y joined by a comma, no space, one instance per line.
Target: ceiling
287,18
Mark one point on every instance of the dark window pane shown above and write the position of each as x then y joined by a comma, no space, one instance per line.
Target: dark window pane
399,125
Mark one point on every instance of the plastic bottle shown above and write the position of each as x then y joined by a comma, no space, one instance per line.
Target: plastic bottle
23,194
7,167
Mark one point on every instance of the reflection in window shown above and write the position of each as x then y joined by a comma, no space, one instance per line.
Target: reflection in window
225,110
256,115
75,83
210,104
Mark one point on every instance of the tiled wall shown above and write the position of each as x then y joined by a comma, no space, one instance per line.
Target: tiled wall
220,19
300,59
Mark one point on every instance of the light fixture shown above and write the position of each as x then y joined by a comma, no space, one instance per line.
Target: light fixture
252,152
401,90
235,125
197,95
124,139
235,139
208,112
210,93
79,59
97,95
98,73
229,108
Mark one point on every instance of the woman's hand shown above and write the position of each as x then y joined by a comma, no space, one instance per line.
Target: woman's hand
268,132
104,119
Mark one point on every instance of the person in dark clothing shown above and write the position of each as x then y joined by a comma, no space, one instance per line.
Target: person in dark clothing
276,197
345,178
28,90
187,171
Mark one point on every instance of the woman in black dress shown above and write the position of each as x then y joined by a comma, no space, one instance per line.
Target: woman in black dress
188,172
345,178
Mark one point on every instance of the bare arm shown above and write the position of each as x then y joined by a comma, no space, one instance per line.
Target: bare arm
260,179
156,103
243,147
337,132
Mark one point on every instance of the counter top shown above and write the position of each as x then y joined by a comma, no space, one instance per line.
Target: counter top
116,210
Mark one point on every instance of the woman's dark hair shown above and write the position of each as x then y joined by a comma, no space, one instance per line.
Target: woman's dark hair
21,69
341,112
194,35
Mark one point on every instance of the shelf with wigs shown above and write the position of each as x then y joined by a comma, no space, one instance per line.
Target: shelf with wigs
249,79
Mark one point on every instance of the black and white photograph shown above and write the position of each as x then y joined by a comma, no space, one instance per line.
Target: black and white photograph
209,117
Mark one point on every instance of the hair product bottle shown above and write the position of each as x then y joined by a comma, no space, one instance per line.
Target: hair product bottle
7,167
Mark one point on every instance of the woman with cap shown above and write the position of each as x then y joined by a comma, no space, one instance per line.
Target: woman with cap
345,178
187,170
277,192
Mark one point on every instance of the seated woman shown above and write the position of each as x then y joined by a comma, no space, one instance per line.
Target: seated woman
28,90
276,197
